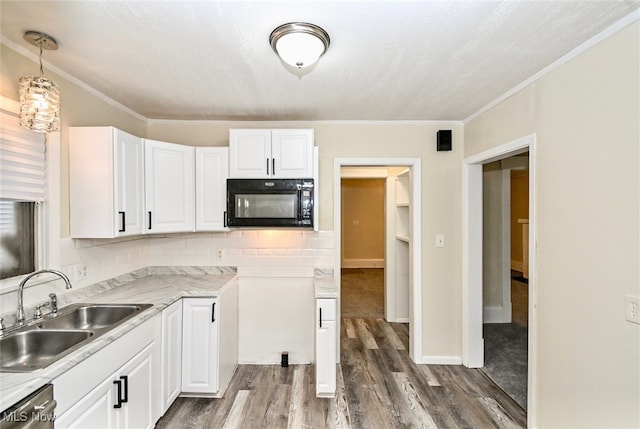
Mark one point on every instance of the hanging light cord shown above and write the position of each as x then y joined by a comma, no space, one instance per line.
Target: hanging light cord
40,46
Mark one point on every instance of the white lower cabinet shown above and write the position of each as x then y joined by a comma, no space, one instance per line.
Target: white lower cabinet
124,399
326,337
209,343
171,355
200,345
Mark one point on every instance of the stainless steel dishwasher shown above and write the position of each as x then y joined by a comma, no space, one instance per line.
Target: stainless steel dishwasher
36,411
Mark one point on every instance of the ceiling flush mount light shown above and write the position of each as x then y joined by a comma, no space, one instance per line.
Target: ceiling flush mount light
39,97
299,44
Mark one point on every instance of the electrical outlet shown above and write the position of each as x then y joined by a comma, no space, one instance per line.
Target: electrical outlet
632,308
220,254
81,271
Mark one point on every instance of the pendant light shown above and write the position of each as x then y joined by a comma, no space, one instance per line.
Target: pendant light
39,96
299,44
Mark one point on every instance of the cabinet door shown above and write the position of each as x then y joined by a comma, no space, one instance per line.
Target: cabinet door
137,411
171,361
169,184
326,337
249,153
200,345
129,183
212,167
95,410
292,153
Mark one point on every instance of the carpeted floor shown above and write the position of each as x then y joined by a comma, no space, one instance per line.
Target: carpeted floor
506,347
362,293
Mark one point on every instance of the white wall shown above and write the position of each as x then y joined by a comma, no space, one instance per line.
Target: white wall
585,115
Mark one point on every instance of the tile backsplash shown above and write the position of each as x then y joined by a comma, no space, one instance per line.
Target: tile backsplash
254,250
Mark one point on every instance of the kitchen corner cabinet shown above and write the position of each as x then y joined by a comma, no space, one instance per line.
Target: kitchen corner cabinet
171,355
326,343
106,183
212,167
263,153
169,187
210,343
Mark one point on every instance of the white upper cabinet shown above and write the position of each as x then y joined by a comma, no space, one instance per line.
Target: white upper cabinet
106,183
212,167
261,153
169,187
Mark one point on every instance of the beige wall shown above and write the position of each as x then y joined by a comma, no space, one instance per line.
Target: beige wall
363,219
492,235
585,115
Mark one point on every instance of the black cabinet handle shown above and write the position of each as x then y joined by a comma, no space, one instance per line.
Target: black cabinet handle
125,381
119,395
273,166
213,312
149,220
320,316
267,166
123,224
224,219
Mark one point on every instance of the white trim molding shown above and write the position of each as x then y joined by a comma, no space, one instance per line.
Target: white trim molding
473,343
442,360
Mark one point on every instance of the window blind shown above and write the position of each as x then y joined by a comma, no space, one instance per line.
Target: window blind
22,161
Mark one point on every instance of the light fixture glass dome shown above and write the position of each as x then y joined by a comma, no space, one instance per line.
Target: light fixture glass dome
299,44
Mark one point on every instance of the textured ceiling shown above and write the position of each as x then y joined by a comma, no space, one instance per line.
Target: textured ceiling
388,60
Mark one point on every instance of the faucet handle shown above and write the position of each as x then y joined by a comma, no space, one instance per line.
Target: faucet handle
54,303
38,313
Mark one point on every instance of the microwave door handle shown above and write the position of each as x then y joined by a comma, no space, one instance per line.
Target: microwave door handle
300,205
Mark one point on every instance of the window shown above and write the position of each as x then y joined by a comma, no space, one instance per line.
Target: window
22,189
17,238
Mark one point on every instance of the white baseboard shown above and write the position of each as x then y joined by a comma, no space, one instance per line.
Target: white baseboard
493,315
363,263
442,360
400,320
517,266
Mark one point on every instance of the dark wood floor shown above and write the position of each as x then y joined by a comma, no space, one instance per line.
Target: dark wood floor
378,387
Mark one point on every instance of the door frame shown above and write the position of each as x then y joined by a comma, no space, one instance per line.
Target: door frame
472,228
415,254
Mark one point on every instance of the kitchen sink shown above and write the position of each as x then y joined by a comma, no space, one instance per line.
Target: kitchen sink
33,349
43,341
92,316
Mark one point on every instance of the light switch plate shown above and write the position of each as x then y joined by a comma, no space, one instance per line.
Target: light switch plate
439,240
632,308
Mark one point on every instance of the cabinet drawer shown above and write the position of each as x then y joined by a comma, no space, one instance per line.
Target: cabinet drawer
326,309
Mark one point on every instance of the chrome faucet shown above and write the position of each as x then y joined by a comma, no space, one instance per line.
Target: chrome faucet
20,317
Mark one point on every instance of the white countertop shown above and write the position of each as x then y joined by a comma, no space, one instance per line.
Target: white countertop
324,284
158,289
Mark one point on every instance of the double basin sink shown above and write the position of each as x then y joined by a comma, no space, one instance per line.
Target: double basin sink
46,340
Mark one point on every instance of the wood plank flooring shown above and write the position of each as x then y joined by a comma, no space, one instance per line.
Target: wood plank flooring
378,387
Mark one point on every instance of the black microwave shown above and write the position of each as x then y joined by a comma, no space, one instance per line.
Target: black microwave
270,203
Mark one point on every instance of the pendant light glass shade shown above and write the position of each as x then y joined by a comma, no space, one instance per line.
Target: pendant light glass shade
299,44
39,96
39,104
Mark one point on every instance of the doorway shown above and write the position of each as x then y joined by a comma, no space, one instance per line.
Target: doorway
413,252
473,342
505,283
363,240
